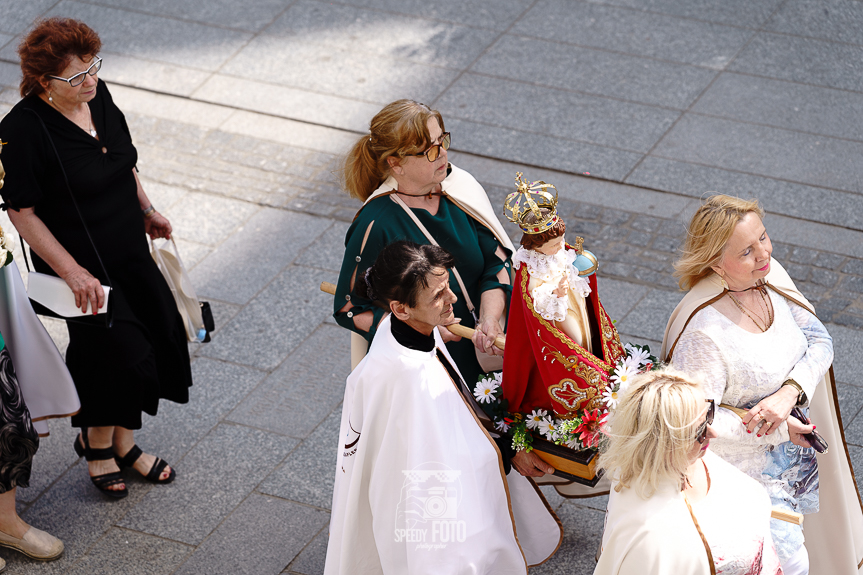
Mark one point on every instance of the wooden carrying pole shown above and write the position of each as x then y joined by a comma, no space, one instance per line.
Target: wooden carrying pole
456,328
462,331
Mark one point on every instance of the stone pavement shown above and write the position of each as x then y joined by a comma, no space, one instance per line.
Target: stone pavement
240,111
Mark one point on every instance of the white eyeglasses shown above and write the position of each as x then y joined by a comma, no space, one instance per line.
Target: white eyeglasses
79,78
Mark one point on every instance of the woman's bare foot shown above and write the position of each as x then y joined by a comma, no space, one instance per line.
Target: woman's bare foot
124,441
104,466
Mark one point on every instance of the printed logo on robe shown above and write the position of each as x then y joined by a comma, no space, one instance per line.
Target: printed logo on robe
351,439
427,514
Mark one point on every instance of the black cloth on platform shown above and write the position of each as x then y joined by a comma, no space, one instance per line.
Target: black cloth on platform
123,370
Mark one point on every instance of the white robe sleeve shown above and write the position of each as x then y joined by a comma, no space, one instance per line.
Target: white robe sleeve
698,355
819,356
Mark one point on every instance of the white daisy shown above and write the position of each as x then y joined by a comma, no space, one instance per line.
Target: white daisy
639,356
573,443
622,375
485,389
532,421
610,397
501,425
548,428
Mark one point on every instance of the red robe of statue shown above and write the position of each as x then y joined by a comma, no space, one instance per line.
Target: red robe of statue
544,368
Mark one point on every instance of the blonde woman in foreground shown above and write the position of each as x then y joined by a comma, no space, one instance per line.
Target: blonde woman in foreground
758,347
674,506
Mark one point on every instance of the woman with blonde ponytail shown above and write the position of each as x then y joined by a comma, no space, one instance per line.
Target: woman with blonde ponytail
399,170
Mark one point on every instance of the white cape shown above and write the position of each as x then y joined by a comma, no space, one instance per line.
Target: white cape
46,385
419,482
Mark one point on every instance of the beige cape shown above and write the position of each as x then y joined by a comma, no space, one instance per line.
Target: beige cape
834,535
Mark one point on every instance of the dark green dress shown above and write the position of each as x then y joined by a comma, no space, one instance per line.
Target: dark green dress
472,244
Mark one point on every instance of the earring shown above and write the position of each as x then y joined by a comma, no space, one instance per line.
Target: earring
50,98
723,282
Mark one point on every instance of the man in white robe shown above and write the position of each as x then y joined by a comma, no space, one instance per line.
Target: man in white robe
420,484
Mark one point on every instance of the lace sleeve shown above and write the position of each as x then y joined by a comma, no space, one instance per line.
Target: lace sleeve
699,356
547,304
819,353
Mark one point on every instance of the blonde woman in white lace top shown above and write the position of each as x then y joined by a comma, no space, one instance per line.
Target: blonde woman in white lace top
760,348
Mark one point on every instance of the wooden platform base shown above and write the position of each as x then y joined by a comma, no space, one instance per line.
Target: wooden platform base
578,466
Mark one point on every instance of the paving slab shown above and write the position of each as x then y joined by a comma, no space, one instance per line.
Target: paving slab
250,15
218,388
619,297
18,16
582,534
369,31
307,475
169,107
312,559
836,20
558,113
131,553
261,536
253,266
327,251
218,474
54,457
156,38
73,510
302,134
634,32
141,72
804,60
261,95
733,12
208,218
273,324
539,149
650,315
303,390
850,402
619,76
340,71
589,190
799,201
761,150
847,347
782,104
498,16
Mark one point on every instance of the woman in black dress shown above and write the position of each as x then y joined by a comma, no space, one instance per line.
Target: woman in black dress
122,370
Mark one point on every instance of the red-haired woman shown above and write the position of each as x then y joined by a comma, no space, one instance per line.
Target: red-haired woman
68,144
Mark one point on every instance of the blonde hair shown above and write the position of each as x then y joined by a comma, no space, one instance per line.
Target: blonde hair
709,230
652,430
398,130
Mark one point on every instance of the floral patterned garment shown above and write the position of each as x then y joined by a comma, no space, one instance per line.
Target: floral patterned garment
18,439
740,368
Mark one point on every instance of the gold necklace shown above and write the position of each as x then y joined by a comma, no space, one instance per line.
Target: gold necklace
762,326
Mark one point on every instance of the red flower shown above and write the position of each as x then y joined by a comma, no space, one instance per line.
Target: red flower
589,429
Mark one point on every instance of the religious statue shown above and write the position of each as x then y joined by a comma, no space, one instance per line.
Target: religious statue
562,348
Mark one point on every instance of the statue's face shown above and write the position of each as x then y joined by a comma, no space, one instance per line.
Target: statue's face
551,247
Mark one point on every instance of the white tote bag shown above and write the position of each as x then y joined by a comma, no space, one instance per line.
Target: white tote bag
167,257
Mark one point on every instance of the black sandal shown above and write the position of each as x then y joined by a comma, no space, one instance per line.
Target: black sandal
159,465
105,481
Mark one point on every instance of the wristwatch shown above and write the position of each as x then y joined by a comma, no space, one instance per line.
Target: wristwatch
801,395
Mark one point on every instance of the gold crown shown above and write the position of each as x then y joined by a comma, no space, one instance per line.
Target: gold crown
531,198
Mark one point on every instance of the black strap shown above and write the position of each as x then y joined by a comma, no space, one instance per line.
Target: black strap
110,312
